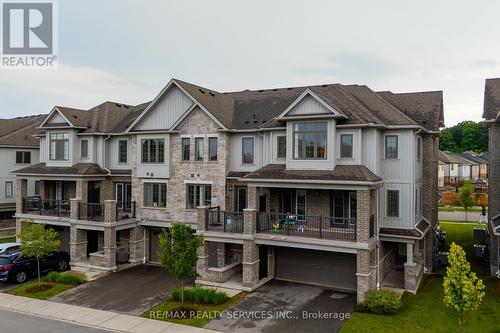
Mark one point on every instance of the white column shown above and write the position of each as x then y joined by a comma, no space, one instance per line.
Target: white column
409,253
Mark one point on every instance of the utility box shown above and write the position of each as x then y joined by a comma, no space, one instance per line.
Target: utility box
480,234
443,258
479,250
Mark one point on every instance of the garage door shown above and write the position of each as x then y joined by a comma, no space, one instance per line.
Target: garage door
334,270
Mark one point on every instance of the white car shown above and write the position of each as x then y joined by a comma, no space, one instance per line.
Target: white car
9,248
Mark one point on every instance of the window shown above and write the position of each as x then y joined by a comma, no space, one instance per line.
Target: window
153,151
155,195
198,195
241,199
212,148
392,203
198,149
309,140
84,148
391,146
37,187
8,189
123,151
419,147
247,150
346,146
23,157
281,146
59,146
186,148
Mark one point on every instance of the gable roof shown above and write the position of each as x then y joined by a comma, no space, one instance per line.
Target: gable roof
448,157
18,132
107,117
491,106
254,109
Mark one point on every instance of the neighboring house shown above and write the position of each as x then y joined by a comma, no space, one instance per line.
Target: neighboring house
491,115
18,148
334,185
441,172
456,168
479,165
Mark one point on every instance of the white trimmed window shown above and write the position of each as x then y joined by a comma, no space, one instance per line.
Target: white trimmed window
392,203
8,189
346,146
59,146
84,148
155,195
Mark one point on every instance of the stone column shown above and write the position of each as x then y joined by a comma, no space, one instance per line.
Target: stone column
221,254
110,211
270,262
249,221
107,190
411,269
409,253
363,216
77,244
250,263
21,193
81,190
74,208
429,192
201,218
253,197
365,281
202,263
109,248
137,245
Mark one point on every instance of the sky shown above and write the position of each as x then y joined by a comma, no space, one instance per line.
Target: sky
126,51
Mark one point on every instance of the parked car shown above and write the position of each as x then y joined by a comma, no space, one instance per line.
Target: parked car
9,248
17,268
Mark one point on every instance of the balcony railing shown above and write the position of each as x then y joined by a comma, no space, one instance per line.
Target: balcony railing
323,227
46,207
219,220
125,210
91,211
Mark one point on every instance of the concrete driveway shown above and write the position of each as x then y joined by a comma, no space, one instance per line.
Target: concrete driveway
261,310
132,291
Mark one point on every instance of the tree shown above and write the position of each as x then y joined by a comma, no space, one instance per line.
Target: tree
465,136
463,290
179,252
37,241
466,199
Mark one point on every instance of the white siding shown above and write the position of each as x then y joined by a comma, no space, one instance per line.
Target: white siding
112,150
90,150
237,156
150,170
57,118
356,147
321,164
168,110
8,165
308,106
43,149
372,149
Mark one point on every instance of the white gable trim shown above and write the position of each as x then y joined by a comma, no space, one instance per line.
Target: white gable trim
161,95
51,113
306,93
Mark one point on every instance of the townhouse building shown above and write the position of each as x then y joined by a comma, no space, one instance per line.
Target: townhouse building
18,149
333,185
491,120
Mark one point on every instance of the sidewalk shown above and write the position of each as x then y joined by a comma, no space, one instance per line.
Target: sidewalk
94,318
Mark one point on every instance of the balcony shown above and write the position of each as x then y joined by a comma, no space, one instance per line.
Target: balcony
46,207
91,211
222,221
321,227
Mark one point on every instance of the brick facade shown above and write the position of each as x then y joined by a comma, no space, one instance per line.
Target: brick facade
494,193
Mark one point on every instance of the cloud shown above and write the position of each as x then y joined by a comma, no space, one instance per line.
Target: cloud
37,91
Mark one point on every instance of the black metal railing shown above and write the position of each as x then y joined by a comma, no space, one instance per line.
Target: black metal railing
125,210
323,227
219,220
91,211
47,207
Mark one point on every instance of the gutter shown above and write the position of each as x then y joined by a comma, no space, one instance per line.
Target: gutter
309,181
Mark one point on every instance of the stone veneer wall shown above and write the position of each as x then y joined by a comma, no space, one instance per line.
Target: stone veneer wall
195,125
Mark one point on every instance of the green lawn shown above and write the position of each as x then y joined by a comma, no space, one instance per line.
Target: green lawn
426,312
8,240
159,312
56,289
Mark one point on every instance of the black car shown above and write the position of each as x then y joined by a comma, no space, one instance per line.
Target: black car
17,268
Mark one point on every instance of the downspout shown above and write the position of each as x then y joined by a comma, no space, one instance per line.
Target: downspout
144,257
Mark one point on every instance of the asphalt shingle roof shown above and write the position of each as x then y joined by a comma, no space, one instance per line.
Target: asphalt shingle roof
18,132
491,99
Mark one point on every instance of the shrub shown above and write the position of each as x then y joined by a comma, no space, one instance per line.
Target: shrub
201,295
65,278
380,302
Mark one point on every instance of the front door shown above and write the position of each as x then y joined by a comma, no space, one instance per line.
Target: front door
94,192
92,241
263,261
241,199
154,245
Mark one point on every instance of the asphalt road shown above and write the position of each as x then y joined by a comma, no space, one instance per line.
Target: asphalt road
14,322
459,216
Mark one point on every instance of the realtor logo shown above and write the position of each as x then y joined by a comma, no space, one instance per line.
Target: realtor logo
28,34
